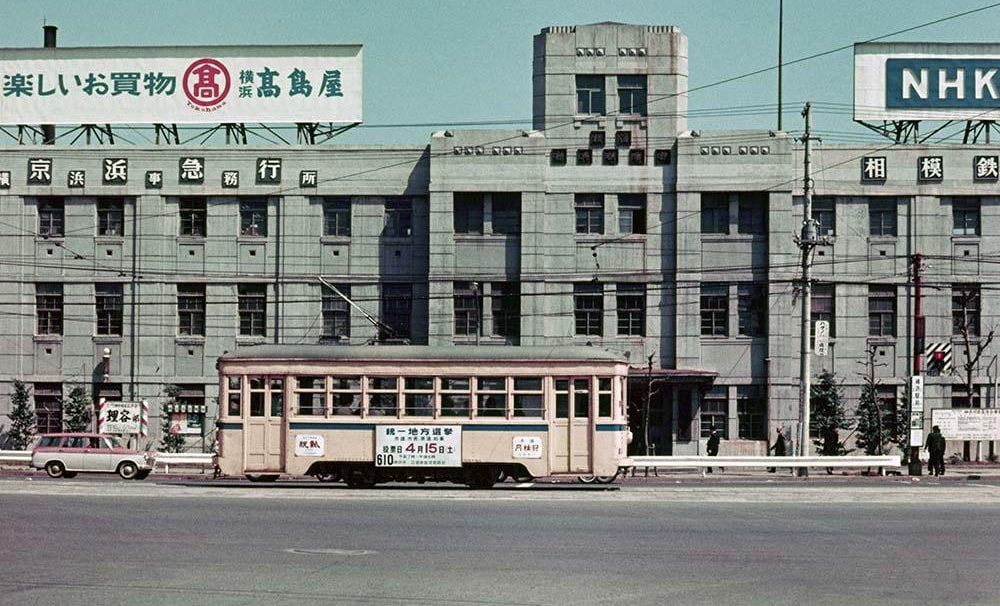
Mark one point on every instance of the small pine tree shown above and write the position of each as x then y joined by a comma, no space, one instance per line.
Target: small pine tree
22,417
78,410
873,432
169,441
827,414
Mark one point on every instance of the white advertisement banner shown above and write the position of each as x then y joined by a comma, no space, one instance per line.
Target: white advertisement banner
418,446
186,85
119,418
968,423
926,81
527,447
309,446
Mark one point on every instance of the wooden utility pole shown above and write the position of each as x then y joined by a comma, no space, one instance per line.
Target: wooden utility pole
807,242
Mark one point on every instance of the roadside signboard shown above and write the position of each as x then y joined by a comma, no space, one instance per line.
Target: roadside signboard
418,446
967,423
822,338
916,410
119,418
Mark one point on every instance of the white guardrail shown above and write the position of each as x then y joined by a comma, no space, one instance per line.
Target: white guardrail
687,462
164,459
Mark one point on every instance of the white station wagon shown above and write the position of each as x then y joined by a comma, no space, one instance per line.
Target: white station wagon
63,455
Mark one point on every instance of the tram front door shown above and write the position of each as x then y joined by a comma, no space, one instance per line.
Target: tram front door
571,429
264,428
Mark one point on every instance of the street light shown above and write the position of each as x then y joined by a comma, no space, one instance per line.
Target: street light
106,363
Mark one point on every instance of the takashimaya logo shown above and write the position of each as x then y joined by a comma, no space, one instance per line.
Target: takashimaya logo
206,84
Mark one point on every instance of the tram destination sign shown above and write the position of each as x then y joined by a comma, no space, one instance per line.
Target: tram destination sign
183,84
926,81
418,446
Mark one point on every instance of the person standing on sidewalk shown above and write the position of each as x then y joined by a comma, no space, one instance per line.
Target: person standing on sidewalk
935,448
712,448
779,447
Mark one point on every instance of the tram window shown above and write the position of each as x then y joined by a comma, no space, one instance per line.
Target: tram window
346,395
347,383
528,401
234,404
581,398
604,397
490,405
562,399
310,383
418,383
312,404
455,404
419,405
256,403
277,403
492,384
382,404
257,383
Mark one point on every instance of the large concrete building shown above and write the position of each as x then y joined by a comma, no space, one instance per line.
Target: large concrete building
129,269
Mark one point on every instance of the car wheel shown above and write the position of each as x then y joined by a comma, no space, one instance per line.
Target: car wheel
128,470
55,469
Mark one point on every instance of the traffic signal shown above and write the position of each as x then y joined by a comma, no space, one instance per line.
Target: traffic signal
938,357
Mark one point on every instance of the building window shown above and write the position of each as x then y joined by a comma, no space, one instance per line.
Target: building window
960,397
882,217
110,304
468,213
397,302
253,218
468,308
714,213
48,407
882,310
965,216
590,95
824,215
193,217
110,217
751,412
336,314
252,309
589,213
965,309
506,213
505,300
714,310
631,306
337,217
715,412
191,309
821,304
632,213
49,309
753,213
751,307
51,217
632,95
588,309
398,218
887,405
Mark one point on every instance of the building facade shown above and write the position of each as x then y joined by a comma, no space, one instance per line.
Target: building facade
128,270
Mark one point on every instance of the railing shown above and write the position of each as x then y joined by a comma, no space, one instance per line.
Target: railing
688,462
164,459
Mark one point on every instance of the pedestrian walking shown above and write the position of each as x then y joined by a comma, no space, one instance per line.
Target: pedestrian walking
935,448
779,447
712,448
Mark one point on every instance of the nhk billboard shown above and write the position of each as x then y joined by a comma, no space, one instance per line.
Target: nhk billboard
932,81
165,85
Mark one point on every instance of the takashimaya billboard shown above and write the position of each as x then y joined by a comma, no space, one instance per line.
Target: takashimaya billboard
932,81
188,84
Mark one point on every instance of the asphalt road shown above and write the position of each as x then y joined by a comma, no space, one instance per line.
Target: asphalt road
107,541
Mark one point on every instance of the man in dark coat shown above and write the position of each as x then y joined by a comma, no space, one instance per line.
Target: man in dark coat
935,448
712,448
778,447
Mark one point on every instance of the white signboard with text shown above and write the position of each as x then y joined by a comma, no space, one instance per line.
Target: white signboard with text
418,446
527,447
183,84
309,445
968,423
916,410
119,418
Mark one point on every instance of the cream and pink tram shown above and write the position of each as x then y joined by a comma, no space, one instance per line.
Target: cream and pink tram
473,415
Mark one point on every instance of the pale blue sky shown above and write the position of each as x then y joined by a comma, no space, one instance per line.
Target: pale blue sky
452,61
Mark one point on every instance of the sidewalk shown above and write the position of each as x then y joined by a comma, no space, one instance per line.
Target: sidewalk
961,471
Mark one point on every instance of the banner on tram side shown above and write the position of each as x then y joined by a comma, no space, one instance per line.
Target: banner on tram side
182,84
418,446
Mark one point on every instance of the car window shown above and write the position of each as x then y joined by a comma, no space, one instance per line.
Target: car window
109,443
50,441
76,442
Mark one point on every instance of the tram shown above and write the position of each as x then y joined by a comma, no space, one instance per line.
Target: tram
472,415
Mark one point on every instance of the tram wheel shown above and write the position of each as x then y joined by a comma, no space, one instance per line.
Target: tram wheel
267,477
605,479
482,477
586,479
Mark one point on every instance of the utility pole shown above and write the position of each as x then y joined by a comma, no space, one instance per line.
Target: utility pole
914,467
807,242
